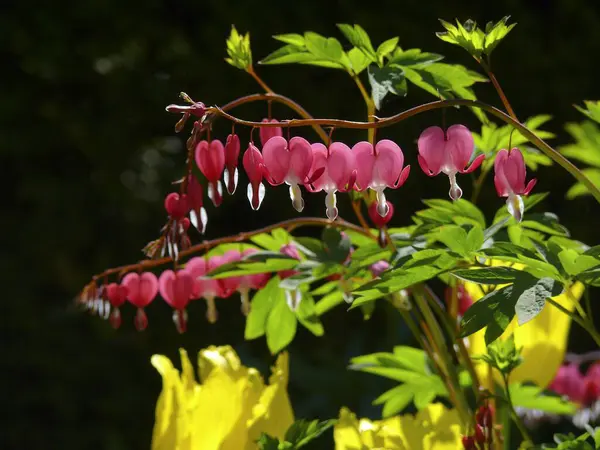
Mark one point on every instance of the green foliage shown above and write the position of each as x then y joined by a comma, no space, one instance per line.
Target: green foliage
358,37
238,50
502,355
299,434
409,366
473,39
591,110
384,80
525,297
533,397
488,275
586,149
572,442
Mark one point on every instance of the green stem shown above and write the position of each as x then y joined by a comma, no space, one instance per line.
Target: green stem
501,94
438,338
369,103
388,121
585,324
513,413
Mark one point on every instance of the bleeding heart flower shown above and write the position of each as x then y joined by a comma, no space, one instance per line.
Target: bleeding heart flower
176,289
210,158
117,295
509,178
177,206
267,133
379,267
291,251
232,153
141,290
448,152
290,163
255,168
204,286
195,199
379,168
570,382
333,169
378,220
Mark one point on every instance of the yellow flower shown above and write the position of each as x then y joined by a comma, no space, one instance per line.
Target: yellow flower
228,410
543,340
432,428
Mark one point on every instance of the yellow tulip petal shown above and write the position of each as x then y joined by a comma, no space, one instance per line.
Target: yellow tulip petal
543,340
345,432
187,372
273,413
165,433
224,358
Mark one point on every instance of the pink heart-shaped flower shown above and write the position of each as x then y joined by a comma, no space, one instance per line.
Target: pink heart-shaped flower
141,288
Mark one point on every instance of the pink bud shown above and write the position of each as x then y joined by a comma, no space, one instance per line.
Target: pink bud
198,214
377,219
380,168
291,251
267,133
232,153
509,178
448,152
177,206
254,166
210,158
379,267
116,294
333,169
290,163
141,288
176,288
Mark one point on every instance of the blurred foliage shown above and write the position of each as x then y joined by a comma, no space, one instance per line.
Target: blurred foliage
89,152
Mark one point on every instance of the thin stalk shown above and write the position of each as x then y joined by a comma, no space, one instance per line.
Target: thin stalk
259,80
370,106
386,122
488,69
514,414
583,323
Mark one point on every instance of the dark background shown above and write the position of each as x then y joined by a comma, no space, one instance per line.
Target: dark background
88,153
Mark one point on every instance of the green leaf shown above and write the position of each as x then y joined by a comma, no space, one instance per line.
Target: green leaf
291,38
574,263
502,355
395,400
386,80
385,48
358,60
494,34
290,54
266,442
302,431
473,39
413,57
586,147
489,275
329,301
327,49
458,240
358,37
579,188
591,110
262,303
336,245
533,397
308,317
238,50
281,325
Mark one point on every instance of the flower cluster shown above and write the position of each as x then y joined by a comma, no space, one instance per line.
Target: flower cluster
577,387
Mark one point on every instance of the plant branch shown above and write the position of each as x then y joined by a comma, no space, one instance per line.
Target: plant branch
513,413
297,222
389,121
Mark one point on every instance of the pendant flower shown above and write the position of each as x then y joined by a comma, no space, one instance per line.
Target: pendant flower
267,133
509,178
379,168
210,158
205,287
176,288
333,169
141,290
232,153
227,410
288,162
254,165
448,152
195,199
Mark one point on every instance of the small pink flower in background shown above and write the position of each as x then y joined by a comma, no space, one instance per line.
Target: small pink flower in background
204,287
509,178
195,199
379,168
232,153
291,251
333,169
210,158
177,206
462,295
379,267
116,295
288,162
267,133
448,152
141,290
569,382
176,288
378,220
254,166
